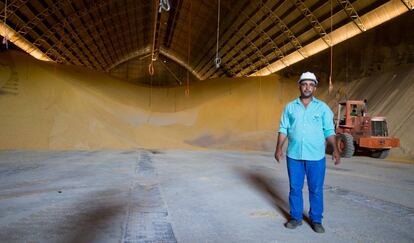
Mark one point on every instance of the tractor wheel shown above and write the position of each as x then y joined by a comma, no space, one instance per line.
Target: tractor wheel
382,154
345,144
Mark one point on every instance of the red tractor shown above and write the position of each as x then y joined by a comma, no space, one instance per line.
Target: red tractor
357,131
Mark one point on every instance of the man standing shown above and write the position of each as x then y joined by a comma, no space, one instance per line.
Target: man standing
307,123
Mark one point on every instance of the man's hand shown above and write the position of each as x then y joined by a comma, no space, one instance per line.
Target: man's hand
336,156
278,155
278,151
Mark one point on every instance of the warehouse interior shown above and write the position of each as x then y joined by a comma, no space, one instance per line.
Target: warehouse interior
157,121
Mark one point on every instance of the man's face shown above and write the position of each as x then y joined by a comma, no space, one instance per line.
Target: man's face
307,87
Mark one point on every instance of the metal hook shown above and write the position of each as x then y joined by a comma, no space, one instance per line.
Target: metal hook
164,5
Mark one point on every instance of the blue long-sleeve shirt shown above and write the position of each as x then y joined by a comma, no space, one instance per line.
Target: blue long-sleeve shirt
307,128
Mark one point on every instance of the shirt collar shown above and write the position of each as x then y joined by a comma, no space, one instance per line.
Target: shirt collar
313,100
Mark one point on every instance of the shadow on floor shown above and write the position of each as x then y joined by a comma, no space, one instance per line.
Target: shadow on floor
92,218
269,190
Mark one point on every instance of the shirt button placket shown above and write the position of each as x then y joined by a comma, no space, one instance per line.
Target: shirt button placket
303,133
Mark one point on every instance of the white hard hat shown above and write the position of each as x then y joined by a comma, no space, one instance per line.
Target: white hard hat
308,76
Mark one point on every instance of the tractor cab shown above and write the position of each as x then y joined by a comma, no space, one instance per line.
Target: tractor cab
355,130
347,111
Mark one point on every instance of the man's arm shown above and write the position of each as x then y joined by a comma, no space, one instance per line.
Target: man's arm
280,141
283,130
329,133
335,154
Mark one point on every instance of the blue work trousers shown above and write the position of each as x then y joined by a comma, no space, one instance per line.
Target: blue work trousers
315,175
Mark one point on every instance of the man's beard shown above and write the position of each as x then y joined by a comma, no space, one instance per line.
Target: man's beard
306,94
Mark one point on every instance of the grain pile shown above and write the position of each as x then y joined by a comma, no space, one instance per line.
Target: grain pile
53,107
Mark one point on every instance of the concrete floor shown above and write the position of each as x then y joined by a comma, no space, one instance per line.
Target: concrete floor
188,196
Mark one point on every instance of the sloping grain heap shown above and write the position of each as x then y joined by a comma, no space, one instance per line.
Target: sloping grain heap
53,107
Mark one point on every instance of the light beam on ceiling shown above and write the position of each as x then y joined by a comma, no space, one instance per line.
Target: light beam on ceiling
22,43
370,20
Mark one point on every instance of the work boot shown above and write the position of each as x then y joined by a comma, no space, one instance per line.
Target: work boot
293,223
318,228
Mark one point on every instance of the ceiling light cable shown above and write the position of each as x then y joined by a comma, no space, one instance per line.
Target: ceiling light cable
187,88
217,61
330,89
5,38
154,55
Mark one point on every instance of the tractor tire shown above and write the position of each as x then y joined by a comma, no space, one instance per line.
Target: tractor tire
345,144
382,154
